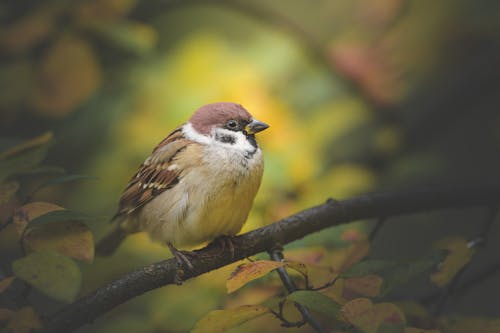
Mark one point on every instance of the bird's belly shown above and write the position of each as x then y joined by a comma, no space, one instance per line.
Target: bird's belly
202,206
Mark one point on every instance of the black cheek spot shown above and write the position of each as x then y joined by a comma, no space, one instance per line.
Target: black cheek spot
225,138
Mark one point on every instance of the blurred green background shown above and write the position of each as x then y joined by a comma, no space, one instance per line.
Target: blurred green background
361,95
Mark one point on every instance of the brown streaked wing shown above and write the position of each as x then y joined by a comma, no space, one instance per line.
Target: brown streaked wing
153,176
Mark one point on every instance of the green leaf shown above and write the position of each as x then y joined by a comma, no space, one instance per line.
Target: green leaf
403,272
394,273
51,273
368,267
60,215
43,170
25,214
316,301
64,179
135,37
391,328
221,320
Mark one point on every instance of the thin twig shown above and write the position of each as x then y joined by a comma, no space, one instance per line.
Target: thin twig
285,322
378,225
326,285
477,241
277,255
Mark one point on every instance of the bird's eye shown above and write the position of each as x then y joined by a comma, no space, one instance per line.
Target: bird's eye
232,124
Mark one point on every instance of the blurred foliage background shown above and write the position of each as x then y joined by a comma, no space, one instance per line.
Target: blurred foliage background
361,95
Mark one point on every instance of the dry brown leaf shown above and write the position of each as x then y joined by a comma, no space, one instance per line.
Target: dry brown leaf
23,321
367,317
29,30
5,314
368,286
5,283
102,9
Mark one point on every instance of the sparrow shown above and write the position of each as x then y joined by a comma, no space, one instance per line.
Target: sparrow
198,184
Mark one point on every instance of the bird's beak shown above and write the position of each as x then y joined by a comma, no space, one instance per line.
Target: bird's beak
255,126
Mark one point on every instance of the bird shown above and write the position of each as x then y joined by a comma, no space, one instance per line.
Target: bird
198,184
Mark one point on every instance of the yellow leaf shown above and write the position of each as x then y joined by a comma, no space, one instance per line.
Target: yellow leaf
367,317
23,321
221,320
26,145
368,286
297,266
69,74
353,235
336,292
290,311
70,238
459,254
30,211
7,191
457,324
249,272
5,283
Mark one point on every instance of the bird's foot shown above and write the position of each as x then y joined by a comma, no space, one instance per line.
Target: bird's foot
182,258
225,242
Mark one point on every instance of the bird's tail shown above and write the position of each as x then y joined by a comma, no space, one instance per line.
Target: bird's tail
109,243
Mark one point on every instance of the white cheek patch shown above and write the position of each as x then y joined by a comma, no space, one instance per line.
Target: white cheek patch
192,134
240,141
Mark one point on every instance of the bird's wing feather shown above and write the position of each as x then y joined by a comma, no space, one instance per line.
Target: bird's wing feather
156,175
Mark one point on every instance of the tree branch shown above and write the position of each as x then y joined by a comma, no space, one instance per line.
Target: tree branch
287,230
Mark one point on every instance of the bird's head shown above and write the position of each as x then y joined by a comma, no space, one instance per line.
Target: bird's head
226,122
